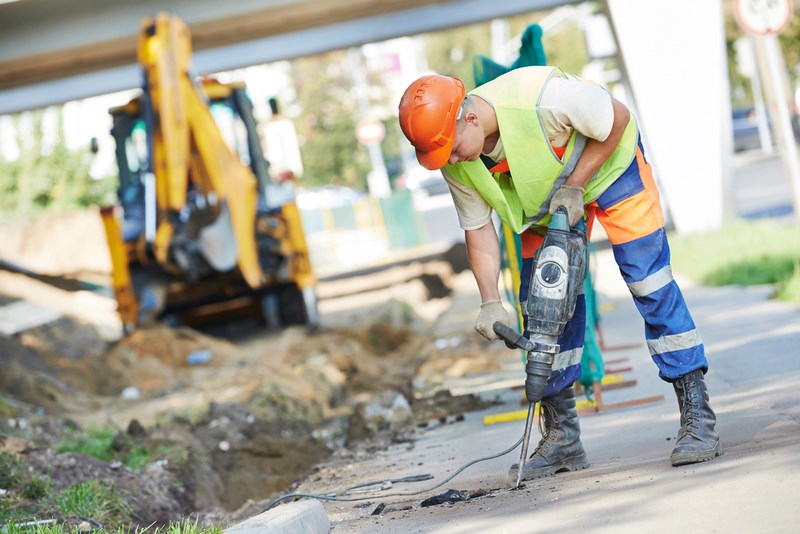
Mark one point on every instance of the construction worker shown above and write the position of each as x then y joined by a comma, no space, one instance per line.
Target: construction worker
523,144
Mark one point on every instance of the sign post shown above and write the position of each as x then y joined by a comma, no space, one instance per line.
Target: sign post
765,19
369,131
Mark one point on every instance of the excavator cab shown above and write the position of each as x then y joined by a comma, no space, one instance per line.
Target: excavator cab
205,234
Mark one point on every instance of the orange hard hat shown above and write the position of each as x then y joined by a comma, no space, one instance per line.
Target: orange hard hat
428,112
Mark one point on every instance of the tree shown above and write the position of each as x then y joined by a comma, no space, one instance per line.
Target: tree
450,52
326,125
47,178
789,39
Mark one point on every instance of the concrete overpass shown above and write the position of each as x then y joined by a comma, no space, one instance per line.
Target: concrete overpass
52,51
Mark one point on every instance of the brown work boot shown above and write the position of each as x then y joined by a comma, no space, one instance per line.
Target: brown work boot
698,441
560,448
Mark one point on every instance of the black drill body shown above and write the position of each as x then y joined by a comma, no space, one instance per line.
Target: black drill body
559,269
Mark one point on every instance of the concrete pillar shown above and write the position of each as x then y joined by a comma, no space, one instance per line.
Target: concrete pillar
674,56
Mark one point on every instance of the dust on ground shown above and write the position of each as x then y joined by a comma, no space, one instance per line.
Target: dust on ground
224,423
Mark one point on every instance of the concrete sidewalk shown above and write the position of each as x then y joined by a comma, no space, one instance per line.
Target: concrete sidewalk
753,345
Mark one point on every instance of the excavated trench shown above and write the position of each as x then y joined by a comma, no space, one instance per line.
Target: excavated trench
224,422
247,424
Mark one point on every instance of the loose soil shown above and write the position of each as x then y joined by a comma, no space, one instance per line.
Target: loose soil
247,423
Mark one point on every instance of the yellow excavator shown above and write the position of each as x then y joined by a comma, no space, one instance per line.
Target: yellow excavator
202,233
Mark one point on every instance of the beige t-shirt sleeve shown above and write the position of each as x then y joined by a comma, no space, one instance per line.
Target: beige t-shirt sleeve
473,212
567,104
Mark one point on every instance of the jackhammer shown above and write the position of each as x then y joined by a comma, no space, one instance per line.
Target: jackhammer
560,266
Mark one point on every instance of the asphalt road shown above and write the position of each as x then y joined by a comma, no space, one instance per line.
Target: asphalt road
761,186
753,345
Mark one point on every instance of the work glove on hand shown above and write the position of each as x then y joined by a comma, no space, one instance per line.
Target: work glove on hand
491,311
571,197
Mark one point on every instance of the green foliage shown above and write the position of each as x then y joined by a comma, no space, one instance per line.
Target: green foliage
326,127
450,52
743,253
790,44
48,178
789,290
92,499
789,40
330,110
567,48
741,92
100,444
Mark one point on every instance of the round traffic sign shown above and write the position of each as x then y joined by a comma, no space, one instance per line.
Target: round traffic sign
370,131
763,17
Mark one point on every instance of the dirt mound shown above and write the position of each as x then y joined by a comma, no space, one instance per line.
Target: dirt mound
218,423
29,375
154,494
246,420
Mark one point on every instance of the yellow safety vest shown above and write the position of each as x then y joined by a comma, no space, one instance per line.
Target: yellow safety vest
536,169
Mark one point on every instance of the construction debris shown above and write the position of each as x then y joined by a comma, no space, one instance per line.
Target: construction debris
224,422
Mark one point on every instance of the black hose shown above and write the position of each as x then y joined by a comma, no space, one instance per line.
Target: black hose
333,497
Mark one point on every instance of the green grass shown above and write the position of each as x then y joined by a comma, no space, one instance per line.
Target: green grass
98,444
21,486
92,499
11,470
182,527
34,488
29,496
743,253
187,527
92,442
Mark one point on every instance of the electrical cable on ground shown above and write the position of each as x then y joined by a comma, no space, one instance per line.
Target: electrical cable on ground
333,497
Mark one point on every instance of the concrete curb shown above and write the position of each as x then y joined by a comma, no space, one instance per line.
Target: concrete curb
302,517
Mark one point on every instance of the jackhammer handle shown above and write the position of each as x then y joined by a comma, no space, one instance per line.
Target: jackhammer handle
513,339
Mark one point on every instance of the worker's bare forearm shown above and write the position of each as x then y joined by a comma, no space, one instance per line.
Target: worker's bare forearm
597,152
483,252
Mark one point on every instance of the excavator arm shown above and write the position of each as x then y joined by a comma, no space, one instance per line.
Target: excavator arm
188,146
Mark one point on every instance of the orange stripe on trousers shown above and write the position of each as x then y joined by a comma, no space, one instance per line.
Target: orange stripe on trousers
637,216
